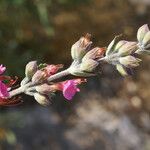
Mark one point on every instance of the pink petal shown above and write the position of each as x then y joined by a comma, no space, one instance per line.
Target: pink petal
69,89
3,90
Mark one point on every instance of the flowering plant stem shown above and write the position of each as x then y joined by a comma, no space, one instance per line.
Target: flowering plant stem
23,88
41,81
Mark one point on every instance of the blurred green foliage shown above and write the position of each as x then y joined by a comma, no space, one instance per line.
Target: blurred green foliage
17,38
26,30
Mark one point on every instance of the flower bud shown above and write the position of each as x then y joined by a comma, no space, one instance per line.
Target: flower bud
31,68
76,71
95,53
142,32
111,47
52,69
45,88
143,36
119,45
42,99
128,48
129,61
146,39
79,49
122,70
89,65
39,76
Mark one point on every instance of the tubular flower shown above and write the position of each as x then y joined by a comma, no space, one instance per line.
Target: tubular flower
69,87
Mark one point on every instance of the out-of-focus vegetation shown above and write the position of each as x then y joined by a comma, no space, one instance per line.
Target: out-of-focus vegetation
27,28
114,115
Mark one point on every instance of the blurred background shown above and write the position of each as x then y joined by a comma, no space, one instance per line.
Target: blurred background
110,112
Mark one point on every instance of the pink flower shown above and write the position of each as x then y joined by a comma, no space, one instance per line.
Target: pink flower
69,87
5,87
4,94
3,90
2,69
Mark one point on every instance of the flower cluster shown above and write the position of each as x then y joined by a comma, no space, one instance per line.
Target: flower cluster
42,81
37,74
85,58
121,53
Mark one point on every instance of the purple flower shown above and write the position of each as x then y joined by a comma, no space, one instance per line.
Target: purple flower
2,69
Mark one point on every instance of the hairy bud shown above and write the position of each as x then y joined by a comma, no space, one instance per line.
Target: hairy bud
45,88
121,48
79,49
90,60
142,31
143,36
42,99
128,48
30,69
129,61
94,54
89,65
39,76
119,45
52,69
77,71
